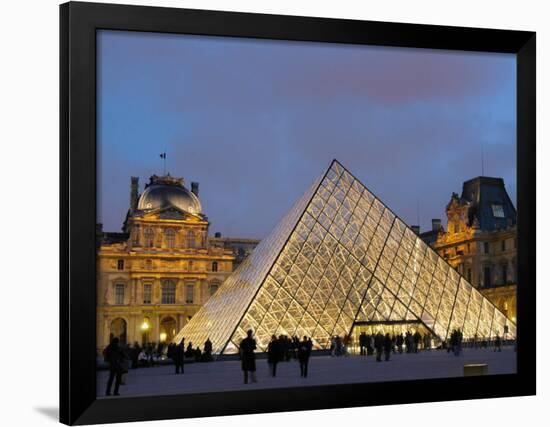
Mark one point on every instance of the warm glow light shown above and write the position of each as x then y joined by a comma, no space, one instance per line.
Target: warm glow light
513,319
145,325
163,336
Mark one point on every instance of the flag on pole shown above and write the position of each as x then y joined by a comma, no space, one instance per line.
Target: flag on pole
163,155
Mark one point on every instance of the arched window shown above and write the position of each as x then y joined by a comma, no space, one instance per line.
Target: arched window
168,292
135,235
149,235
168,327
190,239
215,266
118,330
170,236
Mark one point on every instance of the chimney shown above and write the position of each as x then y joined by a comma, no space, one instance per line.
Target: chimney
217,235
195,188
134,184
436,224
416,229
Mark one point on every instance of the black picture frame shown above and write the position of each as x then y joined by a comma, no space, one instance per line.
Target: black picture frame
78,25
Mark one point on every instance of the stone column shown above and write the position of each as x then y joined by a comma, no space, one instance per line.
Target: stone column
133,291
106,331
156,328
156,297
180,291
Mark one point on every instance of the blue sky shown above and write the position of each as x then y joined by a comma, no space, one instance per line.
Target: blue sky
255,121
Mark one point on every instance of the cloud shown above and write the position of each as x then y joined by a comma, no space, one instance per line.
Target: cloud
256,121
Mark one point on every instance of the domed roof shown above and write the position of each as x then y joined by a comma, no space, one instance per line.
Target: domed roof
166,191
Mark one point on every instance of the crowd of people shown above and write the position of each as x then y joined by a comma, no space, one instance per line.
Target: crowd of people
385,344
279,349
120,358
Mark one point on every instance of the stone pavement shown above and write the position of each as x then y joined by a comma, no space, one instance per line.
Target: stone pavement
323,370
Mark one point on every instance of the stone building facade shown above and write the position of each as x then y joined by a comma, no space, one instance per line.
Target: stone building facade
156,274
481,240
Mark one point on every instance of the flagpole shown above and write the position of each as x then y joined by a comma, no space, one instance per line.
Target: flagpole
164,158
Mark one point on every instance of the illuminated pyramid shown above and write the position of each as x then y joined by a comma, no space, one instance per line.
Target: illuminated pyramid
341,258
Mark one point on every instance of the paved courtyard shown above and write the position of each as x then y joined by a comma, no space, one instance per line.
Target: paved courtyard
227,375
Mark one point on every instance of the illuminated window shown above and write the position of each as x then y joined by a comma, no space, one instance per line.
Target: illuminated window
168,292
119,294
148,264
498,211
189,293
148,237
147,287
214,266
457,227
170,236
120,264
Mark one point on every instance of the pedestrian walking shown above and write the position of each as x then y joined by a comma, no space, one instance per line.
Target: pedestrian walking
379,345
179,356
274,354
363,344
304,351
498,343
114,356
387,346
248,358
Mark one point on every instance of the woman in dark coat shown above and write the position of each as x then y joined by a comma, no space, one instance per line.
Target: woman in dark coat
248,358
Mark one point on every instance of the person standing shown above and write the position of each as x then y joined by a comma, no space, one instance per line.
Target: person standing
274,354
248,358
363,343
388,343
136,349
208,350
399,342
416,339
304,351
379,345
114,356
498,343
179,356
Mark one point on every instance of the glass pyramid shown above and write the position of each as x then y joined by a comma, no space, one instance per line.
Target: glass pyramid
341,256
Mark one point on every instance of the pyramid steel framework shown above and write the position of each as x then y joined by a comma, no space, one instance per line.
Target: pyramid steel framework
338,257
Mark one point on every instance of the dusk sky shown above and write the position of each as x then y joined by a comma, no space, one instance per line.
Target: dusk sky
256,121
